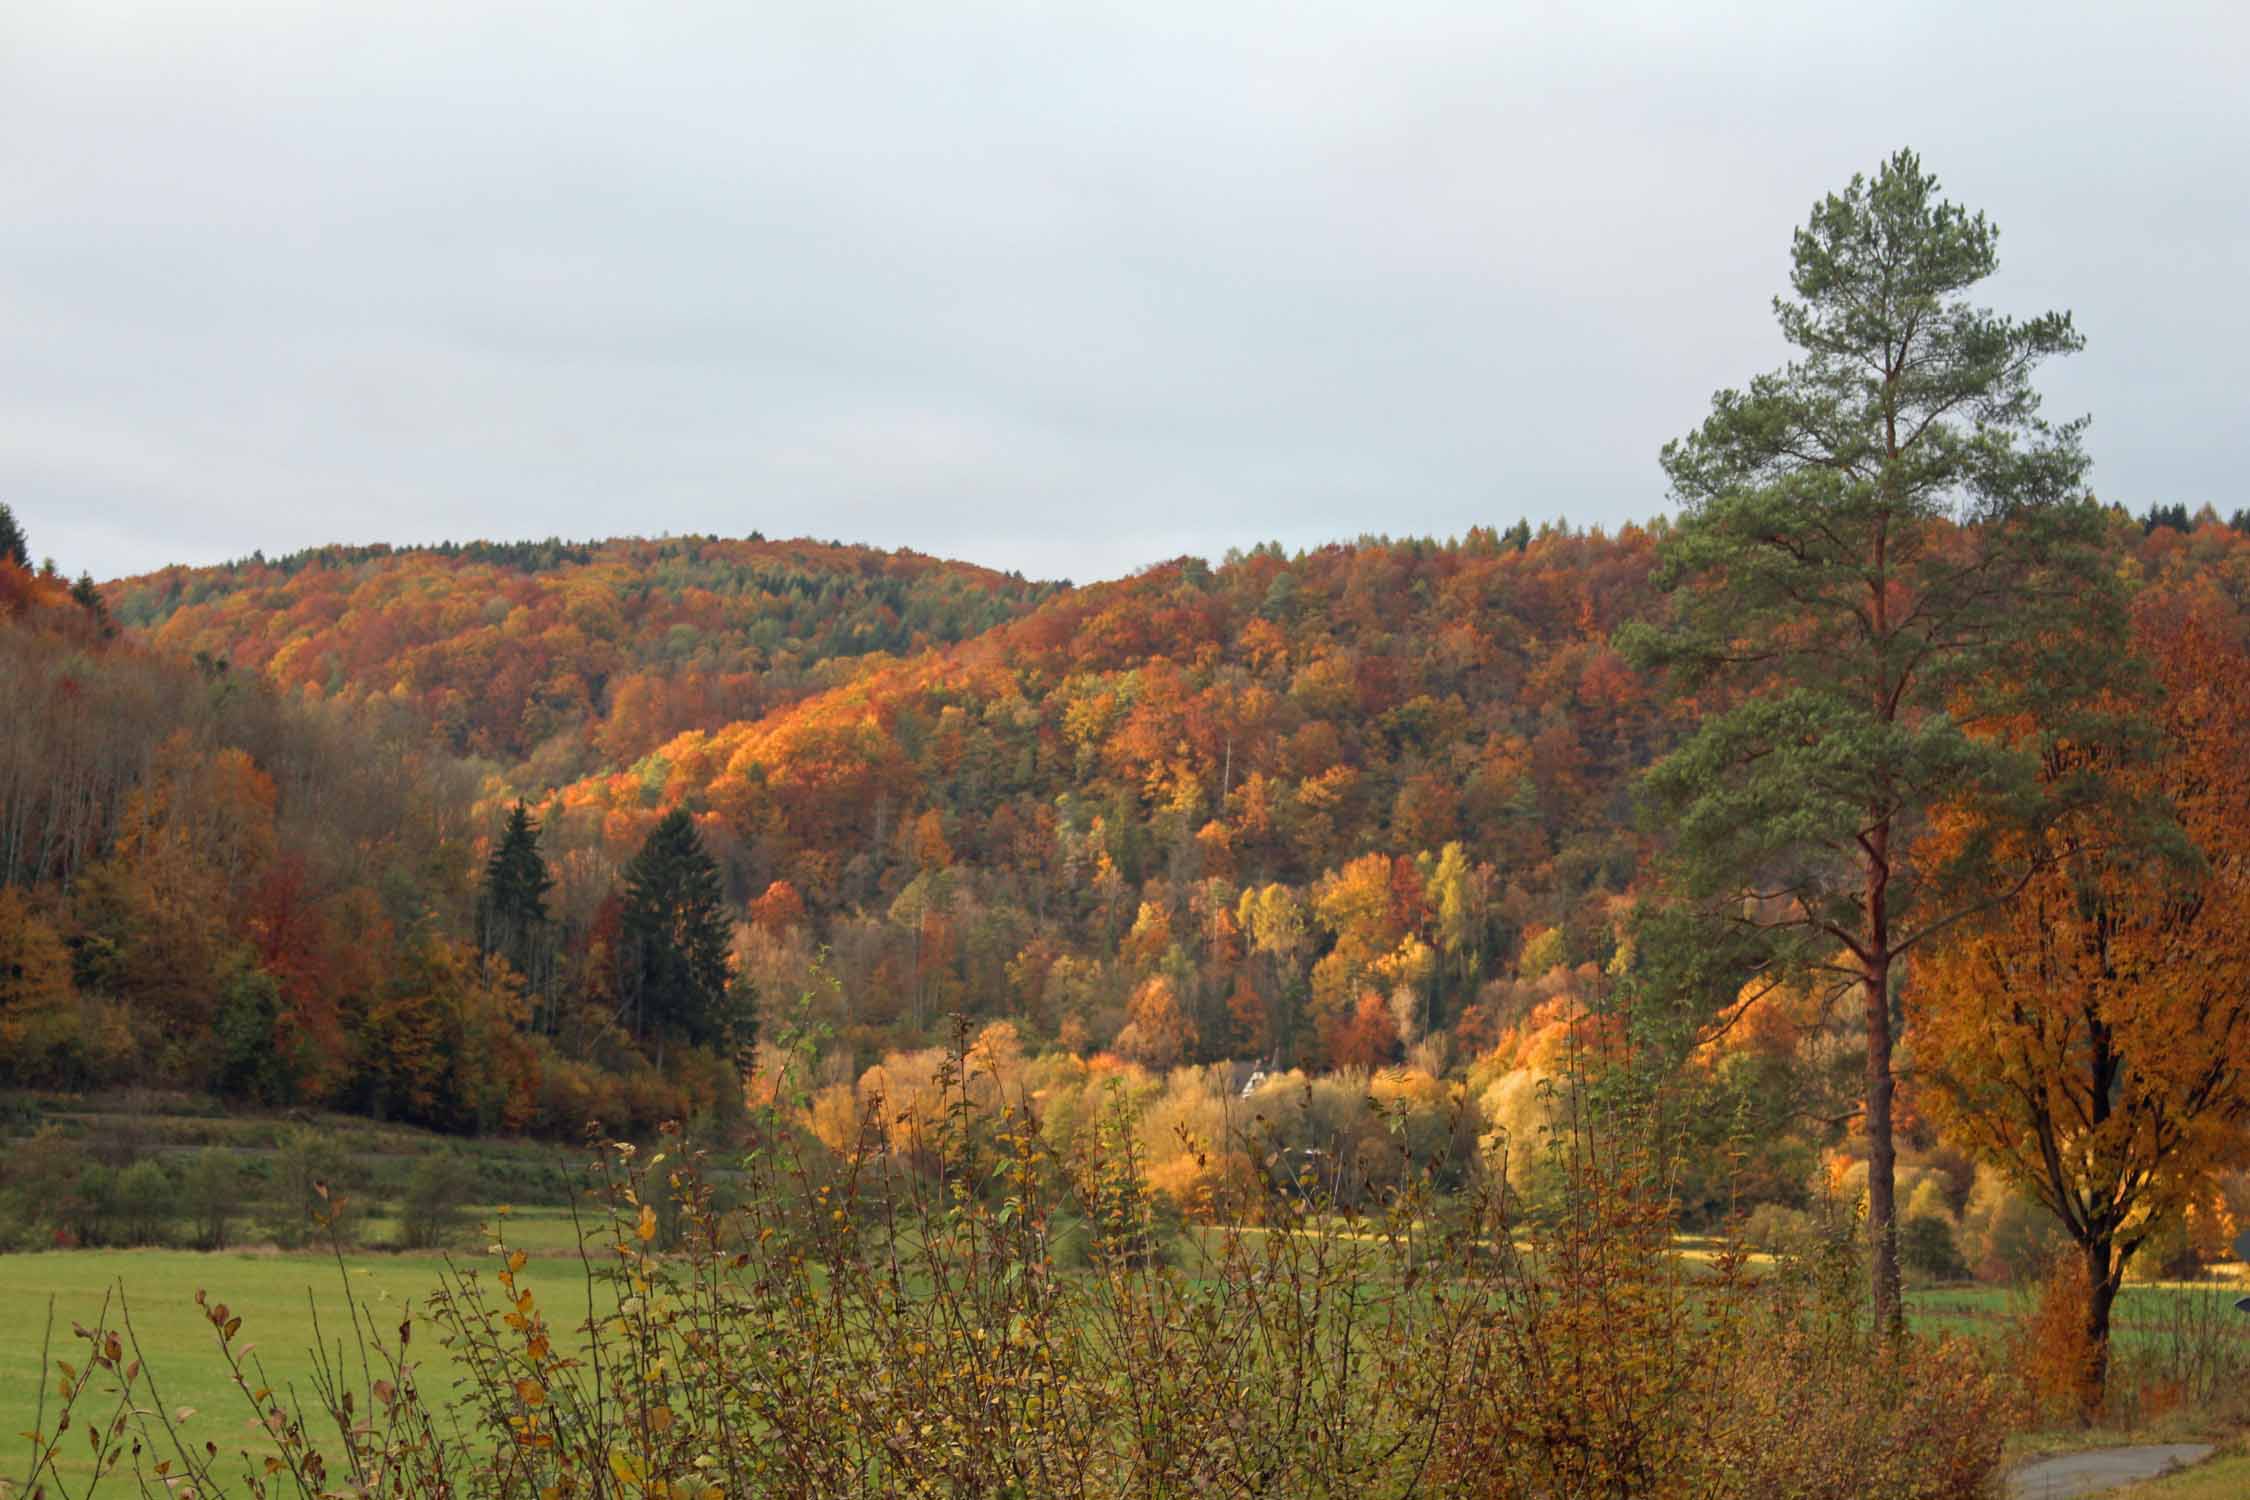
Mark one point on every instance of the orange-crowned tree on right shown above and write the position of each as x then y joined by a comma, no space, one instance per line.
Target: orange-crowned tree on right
2092,1036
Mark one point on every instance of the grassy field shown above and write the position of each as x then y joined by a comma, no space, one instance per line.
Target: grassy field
274,1293
2145,1311
279,1296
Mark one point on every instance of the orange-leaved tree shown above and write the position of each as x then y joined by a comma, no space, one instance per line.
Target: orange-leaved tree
2092,1036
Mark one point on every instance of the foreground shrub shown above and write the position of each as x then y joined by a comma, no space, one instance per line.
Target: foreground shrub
901,1322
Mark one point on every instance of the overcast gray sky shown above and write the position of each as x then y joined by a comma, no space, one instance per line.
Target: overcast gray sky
1067,287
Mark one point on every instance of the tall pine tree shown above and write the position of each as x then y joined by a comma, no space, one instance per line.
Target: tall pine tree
1884,558
672,959
512,904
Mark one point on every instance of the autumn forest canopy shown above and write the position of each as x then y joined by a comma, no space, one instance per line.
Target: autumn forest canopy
1316,811
1888,799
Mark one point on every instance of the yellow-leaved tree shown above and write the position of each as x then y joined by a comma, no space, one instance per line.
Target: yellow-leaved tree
38,1010
2091,1037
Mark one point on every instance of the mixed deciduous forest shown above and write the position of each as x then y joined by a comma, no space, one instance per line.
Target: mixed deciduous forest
1870,833
1343,809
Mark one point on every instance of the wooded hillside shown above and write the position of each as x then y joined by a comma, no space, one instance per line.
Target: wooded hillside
569,654
1324,810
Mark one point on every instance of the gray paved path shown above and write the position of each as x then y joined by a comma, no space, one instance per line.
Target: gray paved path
2077,1474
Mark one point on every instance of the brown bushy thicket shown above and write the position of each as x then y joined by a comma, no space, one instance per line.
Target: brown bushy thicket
861,1324
2180,1351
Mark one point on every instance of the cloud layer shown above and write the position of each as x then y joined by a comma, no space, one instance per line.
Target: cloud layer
1064,288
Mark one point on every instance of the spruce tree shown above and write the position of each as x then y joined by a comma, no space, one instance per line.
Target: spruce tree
1886,565
512,905
13,544
88,596
672,959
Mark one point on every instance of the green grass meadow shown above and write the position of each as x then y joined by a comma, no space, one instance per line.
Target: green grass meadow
2145,1311
280,1296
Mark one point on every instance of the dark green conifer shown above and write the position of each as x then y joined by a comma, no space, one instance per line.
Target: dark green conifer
512,906
89,599
2174,516
672,957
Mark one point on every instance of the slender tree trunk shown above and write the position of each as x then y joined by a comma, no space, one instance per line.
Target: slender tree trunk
1882,1151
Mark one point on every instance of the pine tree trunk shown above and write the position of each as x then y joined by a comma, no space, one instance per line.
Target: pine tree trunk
1882,1156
